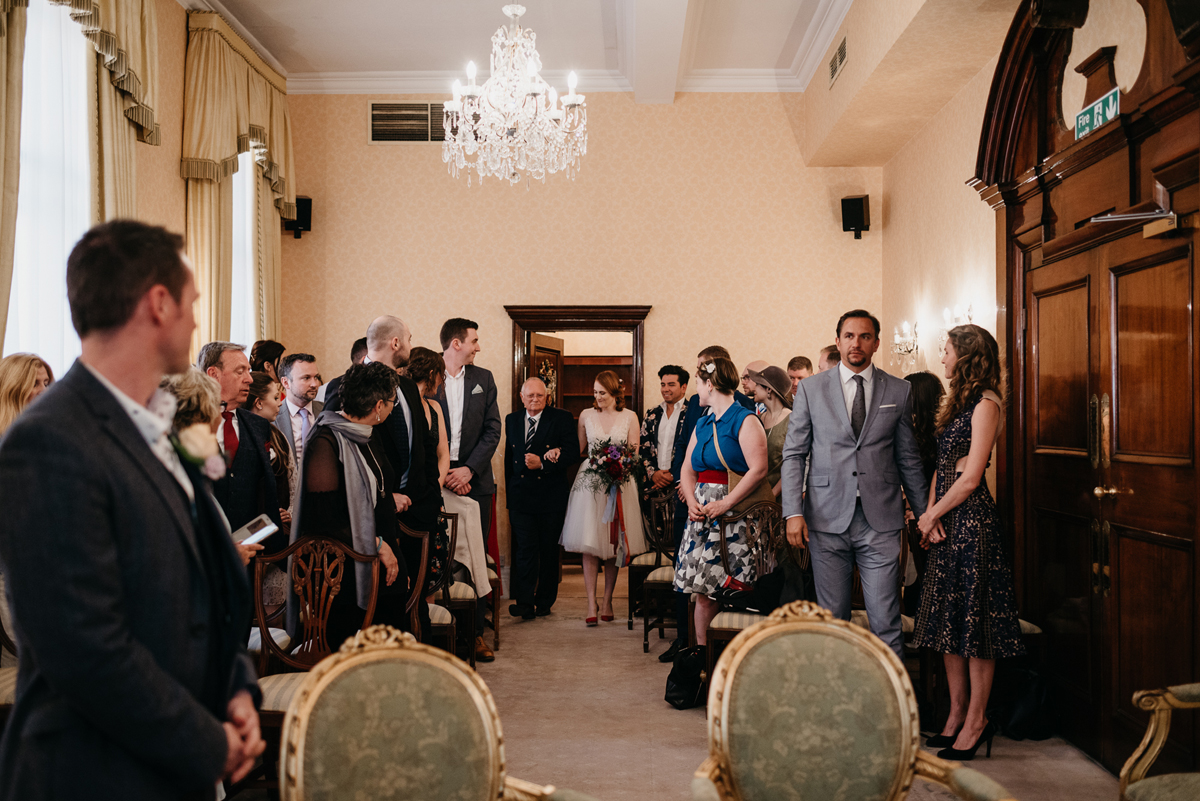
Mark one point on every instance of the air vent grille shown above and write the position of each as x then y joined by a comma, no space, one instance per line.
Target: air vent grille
837,62
406,122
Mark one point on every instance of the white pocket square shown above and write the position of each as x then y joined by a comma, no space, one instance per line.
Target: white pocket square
887,406
479,391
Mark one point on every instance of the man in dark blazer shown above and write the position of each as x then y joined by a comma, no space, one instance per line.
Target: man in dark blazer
410,445
540,445
248,488
468,400
128,599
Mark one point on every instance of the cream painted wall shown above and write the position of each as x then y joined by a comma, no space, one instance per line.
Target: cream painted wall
939,238
702,209
161,193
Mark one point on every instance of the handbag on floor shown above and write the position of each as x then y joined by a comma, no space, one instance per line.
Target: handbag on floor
685,682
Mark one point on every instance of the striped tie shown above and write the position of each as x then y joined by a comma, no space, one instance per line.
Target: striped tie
530,433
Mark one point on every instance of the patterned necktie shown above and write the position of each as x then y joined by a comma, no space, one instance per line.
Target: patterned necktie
529,435
231,440
304,429
858,415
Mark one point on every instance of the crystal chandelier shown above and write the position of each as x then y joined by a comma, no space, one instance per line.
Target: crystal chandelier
514,123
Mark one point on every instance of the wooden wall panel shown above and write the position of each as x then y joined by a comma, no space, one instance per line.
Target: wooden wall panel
1062,368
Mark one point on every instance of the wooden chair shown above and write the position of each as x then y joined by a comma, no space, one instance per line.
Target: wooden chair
1160,704
462,600
388,717
802,705
767,542
494,621
418,589
661,553
658,585
441,620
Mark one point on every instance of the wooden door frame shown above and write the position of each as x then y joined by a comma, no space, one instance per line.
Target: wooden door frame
527,319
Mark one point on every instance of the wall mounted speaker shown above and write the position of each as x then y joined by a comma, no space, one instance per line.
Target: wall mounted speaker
303,221
856,214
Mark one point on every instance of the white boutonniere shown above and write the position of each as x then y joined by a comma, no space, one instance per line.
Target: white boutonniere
478,390
198,445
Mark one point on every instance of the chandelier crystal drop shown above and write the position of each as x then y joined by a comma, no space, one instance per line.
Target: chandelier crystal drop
515,122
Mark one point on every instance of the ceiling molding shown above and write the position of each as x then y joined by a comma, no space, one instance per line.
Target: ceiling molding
811,53
219,7
739,81
436,82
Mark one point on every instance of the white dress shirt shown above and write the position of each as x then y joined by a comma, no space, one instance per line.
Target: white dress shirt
455,397
154,426
668,424
850,386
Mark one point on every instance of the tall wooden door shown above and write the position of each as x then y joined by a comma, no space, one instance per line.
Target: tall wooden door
1099,463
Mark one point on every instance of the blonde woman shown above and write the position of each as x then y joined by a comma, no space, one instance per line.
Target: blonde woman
23,377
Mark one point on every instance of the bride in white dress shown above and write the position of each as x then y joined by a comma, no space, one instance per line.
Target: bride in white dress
584,531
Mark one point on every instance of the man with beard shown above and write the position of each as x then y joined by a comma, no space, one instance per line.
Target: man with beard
409,444
298,414
856,423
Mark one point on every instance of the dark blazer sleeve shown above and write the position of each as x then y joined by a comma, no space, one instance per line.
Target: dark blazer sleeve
510,465
908,458
566,439
260,434
333,396
480,457
58,544
683,435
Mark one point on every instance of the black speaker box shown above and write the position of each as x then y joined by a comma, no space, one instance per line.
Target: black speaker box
303,221
856,214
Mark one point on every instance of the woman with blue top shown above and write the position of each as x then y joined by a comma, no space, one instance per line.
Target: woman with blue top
728,437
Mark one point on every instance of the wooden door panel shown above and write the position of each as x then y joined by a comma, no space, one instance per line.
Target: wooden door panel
1060,389
1152,323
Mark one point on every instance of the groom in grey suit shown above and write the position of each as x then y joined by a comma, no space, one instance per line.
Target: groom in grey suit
855,422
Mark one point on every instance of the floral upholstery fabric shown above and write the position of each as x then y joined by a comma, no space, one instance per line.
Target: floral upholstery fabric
1188,693
1172,787
813,717
396,729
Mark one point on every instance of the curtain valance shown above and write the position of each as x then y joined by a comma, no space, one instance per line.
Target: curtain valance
125,34
234,102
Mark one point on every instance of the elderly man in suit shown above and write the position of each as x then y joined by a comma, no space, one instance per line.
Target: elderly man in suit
128,598
540,445
468,401
248,489
298,414
410,446
856,423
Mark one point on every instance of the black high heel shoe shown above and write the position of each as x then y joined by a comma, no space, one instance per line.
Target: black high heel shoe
943,740
966,755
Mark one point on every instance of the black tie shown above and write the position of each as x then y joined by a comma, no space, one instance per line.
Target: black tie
532,431
400,432
858,415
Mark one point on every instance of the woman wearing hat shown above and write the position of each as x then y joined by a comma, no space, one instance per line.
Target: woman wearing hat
773,389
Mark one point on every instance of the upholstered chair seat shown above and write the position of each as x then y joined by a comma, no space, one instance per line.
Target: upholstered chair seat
461,591
735,621
1171,787
281,638
388,717
666,573
440,615
859,618
278,689
804,706
648,559
1167,787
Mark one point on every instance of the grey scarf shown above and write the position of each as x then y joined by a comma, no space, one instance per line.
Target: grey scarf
361,489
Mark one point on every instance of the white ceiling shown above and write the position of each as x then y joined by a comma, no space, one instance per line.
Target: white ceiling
651,47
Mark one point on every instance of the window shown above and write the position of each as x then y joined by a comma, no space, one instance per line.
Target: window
54,198
244,324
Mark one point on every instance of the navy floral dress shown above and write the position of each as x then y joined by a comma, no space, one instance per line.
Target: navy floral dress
968,606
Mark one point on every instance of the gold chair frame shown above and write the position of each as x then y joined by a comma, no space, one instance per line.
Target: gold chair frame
379,643
807,616
1160,704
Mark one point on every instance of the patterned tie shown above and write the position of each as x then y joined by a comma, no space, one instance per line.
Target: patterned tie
304,429
231,440
859,414
530,434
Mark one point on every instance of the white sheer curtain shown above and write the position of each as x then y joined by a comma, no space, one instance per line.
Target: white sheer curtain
244,326
53,201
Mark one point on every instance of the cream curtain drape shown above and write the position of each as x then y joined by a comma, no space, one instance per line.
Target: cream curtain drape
113,154
12,54
233,103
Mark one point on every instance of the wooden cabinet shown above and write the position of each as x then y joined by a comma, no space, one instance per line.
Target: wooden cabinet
1098,464
579,378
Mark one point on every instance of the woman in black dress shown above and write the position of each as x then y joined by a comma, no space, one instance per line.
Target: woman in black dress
968,611
347,494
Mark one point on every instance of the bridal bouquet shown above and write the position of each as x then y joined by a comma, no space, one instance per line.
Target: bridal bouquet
609,465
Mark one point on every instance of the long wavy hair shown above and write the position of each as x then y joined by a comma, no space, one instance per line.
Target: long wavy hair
977,369
927,394
614,386
18,374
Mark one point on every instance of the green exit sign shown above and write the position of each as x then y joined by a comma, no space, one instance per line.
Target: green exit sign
1103,110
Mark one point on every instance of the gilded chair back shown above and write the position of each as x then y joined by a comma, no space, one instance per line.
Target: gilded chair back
317,567
764,536
806,706
388,717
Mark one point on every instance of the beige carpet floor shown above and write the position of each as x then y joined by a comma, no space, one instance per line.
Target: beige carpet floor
583,708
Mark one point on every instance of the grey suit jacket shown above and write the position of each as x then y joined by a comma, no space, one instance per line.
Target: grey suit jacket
884,458
130,647
480,426
283,421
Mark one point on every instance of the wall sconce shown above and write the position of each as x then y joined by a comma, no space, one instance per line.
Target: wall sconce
905,347
950,320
